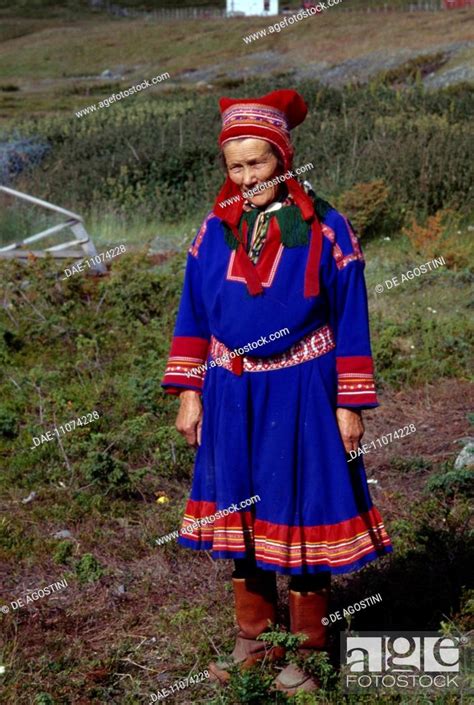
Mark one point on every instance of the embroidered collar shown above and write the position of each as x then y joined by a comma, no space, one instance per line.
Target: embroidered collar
294,230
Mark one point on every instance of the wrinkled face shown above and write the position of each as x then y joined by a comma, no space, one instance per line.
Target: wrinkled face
249,162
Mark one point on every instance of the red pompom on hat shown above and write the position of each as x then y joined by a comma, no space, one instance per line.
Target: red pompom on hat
269,118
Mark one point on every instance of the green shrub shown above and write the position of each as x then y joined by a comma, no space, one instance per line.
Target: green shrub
8,423
410,465
451,482
317,664
280,637
43,699
63,552
102,469
414,69
15,542
173,456
88,569
251,687
419,348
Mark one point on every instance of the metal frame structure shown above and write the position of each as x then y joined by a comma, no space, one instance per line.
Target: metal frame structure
63,250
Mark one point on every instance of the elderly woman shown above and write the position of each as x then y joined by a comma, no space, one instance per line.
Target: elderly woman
278,273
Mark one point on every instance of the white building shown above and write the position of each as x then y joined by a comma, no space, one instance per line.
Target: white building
252,7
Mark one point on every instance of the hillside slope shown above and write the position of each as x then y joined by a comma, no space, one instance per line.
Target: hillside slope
55,65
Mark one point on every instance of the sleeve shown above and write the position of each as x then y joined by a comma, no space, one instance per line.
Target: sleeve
186,365
349,317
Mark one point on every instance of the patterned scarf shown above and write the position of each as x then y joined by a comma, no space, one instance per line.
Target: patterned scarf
294,230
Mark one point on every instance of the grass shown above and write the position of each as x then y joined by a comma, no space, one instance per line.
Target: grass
463,58
111,228
32,55
106,229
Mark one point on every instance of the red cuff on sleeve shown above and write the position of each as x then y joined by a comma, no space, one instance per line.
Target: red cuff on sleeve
186,364
355,381
177,390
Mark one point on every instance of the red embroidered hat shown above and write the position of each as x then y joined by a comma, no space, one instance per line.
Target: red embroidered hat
270,118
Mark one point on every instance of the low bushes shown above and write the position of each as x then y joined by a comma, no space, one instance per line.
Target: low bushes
160,157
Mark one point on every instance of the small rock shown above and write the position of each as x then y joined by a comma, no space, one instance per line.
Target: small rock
30,498
110,74
465,458
63,534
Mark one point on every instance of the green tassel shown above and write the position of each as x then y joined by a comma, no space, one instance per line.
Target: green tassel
294,230
229,237
249,217
321,207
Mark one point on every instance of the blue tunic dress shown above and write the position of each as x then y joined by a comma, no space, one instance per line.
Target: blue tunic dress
271,476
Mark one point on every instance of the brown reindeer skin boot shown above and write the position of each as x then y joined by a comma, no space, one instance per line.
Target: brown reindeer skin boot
255,609
306,611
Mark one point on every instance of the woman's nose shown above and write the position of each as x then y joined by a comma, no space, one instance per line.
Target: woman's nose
250,177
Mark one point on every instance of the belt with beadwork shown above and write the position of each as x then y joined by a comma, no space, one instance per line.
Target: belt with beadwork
313,345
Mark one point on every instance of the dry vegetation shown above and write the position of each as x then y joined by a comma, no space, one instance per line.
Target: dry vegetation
51,55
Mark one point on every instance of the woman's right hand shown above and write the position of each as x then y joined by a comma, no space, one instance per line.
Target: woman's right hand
189,419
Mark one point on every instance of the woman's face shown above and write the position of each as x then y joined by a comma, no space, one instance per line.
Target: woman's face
250,162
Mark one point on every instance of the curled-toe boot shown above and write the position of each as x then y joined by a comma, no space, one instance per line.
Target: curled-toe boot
255,609
307,609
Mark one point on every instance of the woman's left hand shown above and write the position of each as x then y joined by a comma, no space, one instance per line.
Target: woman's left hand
351,427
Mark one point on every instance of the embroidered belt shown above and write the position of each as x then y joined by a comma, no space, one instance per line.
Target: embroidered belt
312,345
